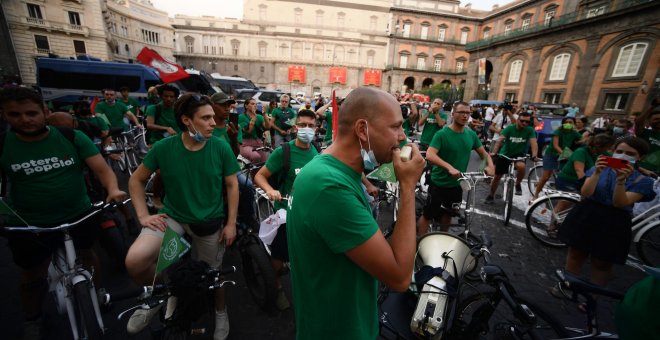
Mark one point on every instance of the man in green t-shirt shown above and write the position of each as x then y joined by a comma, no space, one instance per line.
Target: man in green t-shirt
651,163
449,153
301,152
194,164
131,103
434,120
337,251
513,143
161,121
115,110
282,116
45,168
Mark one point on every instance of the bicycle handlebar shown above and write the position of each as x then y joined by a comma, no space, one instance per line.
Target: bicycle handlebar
517,159
98,207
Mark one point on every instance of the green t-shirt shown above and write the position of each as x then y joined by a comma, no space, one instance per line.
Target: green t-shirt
566,140
115,113
47,182
299,158
222,134
131,104
431,127
328,216
582,155
192,179
515,141
96,121
282,117
454,148
328,126
652,159
166,118
257,129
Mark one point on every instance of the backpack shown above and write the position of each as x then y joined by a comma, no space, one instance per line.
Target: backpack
277,179
69,134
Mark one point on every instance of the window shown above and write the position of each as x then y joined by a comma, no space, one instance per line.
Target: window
124,31
113,27
235,45
441,33
154,38
510,97
406,29
552,97
373,23
403,61
596,11
421,63
548,17
370,59
339,54
284,51
206,49
319,18
352,57
74,18
190,44
459,66
341,18
514,71
329,55
525,23
629,60
425,32
464,37
296,50
559,67
34,11
79,47
297,16
437,65
262,51
318,52
262,12
486,32
42,43
615,101
507,27
262,69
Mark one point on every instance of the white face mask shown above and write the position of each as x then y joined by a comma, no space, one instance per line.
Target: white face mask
305,135
632,160
368,158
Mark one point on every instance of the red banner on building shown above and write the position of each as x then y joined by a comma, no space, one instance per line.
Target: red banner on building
372,77
296,73
337,75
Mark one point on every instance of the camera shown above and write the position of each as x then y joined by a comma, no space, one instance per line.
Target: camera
507,105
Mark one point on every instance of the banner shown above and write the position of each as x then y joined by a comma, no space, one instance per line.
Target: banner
296,73
372,77
385,172
168,71
337,75
482,71
171,250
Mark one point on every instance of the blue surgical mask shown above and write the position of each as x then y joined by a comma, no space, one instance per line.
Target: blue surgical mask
617,130
623,156
368,158
196,136
306,135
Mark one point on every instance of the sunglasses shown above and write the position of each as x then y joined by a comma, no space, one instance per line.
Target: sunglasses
524,121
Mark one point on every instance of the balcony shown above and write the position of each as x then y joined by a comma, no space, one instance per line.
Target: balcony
428,39
55,26
564,20
431,69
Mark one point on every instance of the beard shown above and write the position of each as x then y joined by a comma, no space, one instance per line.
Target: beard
35,133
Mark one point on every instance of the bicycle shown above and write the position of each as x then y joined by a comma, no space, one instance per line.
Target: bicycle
71,284
546,214
125,144
509,184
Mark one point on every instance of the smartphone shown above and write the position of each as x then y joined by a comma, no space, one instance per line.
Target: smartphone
233,118
616,163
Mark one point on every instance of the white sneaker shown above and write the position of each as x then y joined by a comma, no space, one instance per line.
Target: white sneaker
221,326
141,319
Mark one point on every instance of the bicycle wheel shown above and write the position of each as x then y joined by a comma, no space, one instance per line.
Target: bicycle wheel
88,327
544,218
508,203
533,177
259,275
502,321
648,246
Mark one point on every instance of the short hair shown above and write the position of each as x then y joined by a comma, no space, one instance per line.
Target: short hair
187,105
524,114
601,140
124,88
636,143
247,101
167,87
285,96
20,94
456,104
563,120
306,113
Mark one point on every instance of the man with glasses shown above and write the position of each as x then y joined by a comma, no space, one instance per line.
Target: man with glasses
513,143
433,121
449,153
282,116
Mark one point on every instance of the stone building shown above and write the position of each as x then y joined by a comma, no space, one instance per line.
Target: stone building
41,27
602,55
290,45
132,25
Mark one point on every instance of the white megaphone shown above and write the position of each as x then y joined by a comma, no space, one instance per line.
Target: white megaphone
452,258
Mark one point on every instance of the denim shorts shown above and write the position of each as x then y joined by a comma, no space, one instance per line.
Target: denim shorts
566,185
550,162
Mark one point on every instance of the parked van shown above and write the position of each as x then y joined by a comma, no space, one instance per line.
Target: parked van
229,85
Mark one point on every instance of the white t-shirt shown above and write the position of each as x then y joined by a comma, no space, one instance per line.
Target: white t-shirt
497,122
490,114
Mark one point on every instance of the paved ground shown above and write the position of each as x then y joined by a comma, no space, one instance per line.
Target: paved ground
529,264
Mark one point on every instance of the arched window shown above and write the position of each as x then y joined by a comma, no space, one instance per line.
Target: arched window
464,35
407,26
424,32
515,69
296,50
559,66
190,44
629,60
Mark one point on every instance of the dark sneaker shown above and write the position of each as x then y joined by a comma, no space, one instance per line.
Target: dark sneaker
490,199
518,190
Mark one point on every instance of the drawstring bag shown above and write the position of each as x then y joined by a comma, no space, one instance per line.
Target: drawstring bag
269,226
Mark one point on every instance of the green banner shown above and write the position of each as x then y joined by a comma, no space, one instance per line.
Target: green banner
385,172
172,248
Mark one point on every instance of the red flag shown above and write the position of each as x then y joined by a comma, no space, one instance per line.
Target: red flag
92,106
335,116
169,71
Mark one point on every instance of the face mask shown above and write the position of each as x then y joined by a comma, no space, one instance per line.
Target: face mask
568,126
617,130
623,156
530,111
306,135
368,158
198,137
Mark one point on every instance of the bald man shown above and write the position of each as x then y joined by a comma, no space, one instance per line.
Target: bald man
66,120
336,250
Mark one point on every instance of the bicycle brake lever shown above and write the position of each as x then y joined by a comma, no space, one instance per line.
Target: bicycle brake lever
121,315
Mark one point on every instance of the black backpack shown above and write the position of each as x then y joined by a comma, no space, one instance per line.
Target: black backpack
277,179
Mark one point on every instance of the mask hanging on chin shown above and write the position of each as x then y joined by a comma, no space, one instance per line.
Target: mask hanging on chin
368,158
197,136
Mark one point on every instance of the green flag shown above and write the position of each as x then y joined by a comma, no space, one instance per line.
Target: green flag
385,172
172,248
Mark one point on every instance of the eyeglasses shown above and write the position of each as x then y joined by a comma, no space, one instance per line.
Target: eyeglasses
303,125
463,112
524,121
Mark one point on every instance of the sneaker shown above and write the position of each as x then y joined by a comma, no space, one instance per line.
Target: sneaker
560,293
490,199
141,319
221,326
282,302
518,190
33,329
